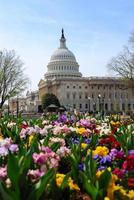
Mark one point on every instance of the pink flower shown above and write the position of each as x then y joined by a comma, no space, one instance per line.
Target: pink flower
45,149
63,151
40,158
35,175
13,148
3,173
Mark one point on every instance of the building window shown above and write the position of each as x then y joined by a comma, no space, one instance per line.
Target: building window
86,105
80,105
67,86
92,95
80,87
110,96
80,96
85,87
129,106
68,96
123,107
74,96
73,86
92,87
98,87
74,106
86,96
33,97
106,106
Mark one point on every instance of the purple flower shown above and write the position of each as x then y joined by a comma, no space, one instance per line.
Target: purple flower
75,140
105,160
101,168
96,157
85,123
13,148
81,167
115,154
40,158
131,152
3,151
63,118
87,140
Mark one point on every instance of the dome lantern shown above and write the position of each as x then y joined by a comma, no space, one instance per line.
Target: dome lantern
62,40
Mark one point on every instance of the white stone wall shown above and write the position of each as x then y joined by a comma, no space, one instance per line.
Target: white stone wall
76,94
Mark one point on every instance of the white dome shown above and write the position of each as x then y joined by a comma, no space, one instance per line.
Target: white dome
62,62
62,54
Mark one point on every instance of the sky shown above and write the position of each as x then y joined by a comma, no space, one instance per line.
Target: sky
96,30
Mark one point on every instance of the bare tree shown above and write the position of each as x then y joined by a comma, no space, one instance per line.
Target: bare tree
123,66
12,79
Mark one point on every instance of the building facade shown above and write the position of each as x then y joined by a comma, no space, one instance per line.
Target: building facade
83,93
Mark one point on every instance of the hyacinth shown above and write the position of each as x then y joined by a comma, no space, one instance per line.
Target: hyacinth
11,124
101,151
85,123
63,151
35,175
13,148
43,131
45,122
46,157
56,139
6,146
61,129
75,140
116,154
28,131
63,118
3,173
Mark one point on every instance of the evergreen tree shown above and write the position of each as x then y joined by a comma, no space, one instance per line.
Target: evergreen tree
49,99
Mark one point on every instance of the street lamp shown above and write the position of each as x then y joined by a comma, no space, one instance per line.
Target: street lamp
94,108
17,104
99,97
8,108
89,104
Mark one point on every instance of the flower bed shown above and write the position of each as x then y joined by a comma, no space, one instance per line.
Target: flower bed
66,157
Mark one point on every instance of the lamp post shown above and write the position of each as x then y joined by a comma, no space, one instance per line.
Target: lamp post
8,108
89,104
94,108
103,108
99,97
17,104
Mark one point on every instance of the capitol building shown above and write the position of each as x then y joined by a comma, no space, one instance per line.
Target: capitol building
74,91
